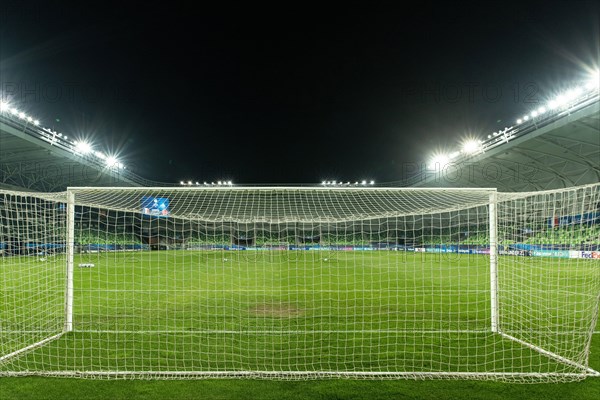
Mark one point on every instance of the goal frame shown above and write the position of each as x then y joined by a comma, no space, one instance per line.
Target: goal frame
495,326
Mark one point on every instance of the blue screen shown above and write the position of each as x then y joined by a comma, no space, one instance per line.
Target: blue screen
155,206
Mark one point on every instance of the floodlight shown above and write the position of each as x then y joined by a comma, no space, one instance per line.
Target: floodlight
441,159
372,182
4,106
560,100
36,122
471,146
182,183
364,182
526,118
83,147
570,95
22,115
519,121
14,111
594,81
197,183
541,110
29,119
591,85
229,183
111,161
189,182
575,93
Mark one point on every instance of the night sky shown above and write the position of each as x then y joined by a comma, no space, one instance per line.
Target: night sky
288,95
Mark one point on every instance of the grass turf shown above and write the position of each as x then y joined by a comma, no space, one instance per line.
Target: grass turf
288,311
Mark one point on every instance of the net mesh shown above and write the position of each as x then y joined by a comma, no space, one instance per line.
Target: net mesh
299,283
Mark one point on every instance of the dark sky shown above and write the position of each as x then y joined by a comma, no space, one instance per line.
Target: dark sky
288,95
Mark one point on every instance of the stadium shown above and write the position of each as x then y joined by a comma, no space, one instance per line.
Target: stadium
119,233
482,264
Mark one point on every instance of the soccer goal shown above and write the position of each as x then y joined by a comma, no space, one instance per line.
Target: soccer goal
299,283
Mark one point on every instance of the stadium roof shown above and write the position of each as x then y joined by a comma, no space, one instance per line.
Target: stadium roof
543,151
38,159
555,146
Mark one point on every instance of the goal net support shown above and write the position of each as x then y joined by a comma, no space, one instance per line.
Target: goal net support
299,283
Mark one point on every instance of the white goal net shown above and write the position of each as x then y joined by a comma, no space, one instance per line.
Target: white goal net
299,283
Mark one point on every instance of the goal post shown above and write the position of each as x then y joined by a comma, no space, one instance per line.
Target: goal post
548,278
299,283
493,227
32,284
70,243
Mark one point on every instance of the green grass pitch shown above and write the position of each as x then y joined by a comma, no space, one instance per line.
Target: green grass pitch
282,311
